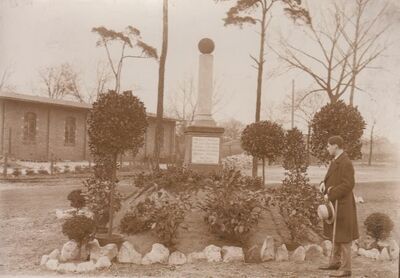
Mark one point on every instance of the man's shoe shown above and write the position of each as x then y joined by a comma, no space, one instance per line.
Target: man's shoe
330,267
341,274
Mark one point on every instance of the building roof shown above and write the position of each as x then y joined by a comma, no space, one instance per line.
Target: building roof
58,102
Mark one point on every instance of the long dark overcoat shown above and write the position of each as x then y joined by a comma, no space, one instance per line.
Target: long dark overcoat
339,184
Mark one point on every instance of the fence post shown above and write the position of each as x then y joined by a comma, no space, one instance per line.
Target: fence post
51,164
5,165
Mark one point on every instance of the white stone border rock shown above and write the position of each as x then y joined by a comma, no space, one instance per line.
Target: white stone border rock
102,257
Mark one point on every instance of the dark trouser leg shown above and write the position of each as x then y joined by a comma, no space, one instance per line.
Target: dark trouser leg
346,256
335,259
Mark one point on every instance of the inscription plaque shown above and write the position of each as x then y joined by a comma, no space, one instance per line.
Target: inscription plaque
205,150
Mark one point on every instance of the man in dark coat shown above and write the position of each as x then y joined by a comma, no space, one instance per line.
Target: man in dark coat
338,186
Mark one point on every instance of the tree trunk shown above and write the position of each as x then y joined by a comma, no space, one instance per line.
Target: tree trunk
355,47
308,144
263,171
160,98
371,142
260,69
113,185
255,166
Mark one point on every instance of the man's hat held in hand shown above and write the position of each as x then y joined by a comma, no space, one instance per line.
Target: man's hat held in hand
326,212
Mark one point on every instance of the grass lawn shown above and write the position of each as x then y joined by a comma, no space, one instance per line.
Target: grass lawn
29,229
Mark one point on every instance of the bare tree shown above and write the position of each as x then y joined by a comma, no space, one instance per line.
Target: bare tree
304,108
363,37
182,104
233,129
103,78
61,81
375,112
341,57
273,112
130,38
241,13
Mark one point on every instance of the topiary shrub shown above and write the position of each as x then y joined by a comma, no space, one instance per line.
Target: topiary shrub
231,209
263,140
296,198
295,155
117,124
337,119
79,228
77,199
378,225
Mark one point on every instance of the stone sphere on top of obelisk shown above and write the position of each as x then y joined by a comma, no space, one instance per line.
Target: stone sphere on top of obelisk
203,115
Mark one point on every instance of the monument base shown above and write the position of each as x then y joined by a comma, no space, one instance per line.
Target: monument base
203,148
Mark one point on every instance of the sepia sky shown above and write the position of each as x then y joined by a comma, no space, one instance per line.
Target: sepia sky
35,34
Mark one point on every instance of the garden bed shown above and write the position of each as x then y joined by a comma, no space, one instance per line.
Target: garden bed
32,209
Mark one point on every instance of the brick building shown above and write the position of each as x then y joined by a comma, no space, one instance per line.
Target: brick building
36,128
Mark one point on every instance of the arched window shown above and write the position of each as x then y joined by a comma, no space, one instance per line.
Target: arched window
29,134
70,130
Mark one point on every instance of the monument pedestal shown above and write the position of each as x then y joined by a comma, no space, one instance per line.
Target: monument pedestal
203,148
203,138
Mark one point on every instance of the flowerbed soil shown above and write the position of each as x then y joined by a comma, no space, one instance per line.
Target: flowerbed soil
29,229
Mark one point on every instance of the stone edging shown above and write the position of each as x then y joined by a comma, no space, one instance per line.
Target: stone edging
102,257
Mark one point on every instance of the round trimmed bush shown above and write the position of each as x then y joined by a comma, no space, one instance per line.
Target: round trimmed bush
79,228
77,199
337,119
379,225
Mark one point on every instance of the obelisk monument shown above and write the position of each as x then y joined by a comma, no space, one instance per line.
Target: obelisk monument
203,137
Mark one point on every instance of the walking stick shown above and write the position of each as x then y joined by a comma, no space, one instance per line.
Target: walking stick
334,231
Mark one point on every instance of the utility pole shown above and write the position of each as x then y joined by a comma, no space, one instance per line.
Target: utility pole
292,103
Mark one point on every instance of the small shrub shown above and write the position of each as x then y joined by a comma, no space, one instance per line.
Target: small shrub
295,155
16,172
78,169
251,183
132,224
231,209
43,172
167,217
162,213
97,193
67,169
379,225
56,169
172,179
29,172
79,228
77,199
298,202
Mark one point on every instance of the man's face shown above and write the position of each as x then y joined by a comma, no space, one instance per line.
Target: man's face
332,149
